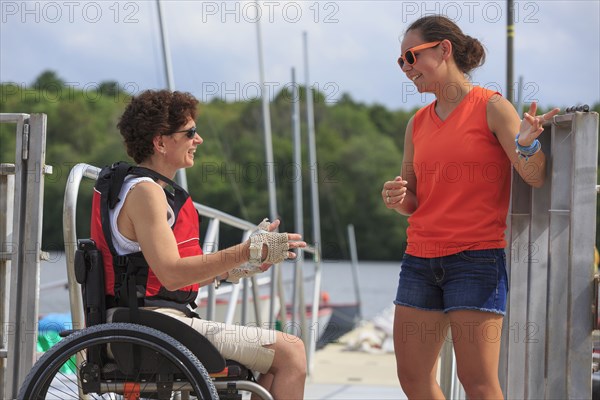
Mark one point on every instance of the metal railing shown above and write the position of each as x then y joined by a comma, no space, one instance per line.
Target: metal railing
21,205
546,347
211,244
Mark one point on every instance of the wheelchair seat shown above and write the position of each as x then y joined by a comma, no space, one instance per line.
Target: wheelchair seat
218,368
199,345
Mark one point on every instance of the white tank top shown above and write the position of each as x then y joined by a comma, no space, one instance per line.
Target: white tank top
121,243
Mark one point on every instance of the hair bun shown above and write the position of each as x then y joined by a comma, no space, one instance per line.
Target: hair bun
471,41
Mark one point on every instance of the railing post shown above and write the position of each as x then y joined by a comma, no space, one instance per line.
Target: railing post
579,324
547,334
7,195
211,245
30,167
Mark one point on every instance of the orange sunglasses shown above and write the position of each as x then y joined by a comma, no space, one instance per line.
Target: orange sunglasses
409,57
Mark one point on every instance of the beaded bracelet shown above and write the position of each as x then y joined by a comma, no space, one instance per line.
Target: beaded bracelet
527,151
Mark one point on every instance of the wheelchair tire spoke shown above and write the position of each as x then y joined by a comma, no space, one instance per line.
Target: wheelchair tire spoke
158,367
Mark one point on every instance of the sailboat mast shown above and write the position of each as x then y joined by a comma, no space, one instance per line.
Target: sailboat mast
316,213
166,52
181,177
298,301
267,128
275,278
510,35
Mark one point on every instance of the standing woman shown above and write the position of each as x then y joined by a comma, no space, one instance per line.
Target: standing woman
455,187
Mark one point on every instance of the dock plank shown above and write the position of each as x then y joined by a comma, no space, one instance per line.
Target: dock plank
339,373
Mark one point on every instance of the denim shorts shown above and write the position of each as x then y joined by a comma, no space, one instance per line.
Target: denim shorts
469,280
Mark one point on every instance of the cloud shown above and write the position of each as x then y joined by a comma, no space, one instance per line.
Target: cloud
352,45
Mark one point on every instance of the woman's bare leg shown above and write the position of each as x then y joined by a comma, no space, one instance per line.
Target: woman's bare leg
476,338
418,338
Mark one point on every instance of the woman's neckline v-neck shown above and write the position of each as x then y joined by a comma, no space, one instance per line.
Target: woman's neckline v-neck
436,118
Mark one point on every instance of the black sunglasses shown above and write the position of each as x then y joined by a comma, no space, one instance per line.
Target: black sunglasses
190,133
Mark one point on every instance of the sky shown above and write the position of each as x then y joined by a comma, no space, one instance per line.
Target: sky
352,46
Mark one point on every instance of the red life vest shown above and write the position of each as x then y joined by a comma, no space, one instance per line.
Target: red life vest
119,268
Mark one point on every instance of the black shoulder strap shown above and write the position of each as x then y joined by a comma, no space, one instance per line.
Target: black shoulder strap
109,184
179,195
117,174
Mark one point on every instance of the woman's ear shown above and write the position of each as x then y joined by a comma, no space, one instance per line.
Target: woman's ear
446,46
159,144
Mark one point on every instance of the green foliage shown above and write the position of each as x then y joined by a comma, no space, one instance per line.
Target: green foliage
81,128
359,147
48,81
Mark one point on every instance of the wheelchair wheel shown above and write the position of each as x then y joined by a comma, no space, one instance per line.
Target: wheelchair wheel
164,367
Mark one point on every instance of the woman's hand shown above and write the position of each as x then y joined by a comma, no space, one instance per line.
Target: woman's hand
531,125
294,242
394,192
282,244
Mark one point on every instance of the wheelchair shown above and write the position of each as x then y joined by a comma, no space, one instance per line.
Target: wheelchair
139,354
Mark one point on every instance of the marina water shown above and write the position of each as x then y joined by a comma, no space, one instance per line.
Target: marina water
377,283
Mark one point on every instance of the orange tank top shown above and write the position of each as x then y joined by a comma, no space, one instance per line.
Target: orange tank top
463,181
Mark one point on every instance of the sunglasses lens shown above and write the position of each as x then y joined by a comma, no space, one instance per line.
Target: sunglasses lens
401,62
410,57
191,133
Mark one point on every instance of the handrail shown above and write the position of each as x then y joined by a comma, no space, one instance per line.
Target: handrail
235,222
78,172
82,170
22,215
13,118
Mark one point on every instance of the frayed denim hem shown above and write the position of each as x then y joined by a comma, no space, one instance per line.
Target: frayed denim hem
418,308
488,310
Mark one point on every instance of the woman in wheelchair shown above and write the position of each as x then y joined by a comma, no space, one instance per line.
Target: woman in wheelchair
142,218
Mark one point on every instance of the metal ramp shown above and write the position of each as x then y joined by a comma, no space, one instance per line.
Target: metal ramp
547,334
21,205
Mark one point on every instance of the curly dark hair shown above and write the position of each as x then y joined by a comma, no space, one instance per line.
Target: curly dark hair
468,52
152,113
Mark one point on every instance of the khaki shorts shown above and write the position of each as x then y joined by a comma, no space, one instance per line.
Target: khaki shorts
244,344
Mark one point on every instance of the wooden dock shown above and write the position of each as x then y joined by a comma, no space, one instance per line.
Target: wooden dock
340,373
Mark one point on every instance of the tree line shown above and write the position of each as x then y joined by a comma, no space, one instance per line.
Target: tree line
359,146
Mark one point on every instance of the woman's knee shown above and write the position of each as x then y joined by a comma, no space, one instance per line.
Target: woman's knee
290,353
409,376
298,352
407,379
477,384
